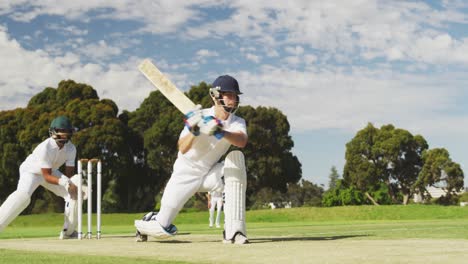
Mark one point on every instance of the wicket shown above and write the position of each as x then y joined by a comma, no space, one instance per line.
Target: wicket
90,199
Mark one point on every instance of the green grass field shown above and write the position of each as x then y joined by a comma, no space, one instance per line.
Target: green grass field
360,234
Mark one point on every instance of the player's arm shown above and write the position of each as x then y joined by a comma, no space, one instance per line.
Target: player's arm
63,181
185,142
237,139
69,171
47,174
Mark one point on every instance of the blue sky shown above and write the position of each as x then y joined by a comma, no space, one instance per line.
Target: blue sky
330,66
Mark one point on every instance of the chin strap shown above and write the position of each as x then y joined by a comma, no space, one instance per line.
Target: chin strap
60,137
215,93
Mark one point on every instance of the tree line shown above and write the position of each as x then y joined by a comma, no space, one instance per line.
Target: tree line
138,148
385,165
389,165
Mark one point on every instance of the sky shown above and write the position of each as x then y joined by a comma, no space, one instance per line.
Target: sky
330,66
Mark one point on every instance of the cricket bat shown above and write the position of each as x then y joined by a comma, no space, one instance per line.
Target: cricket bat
166,87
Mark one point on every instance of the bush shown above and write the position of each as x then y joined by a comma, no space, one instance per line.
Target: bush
463,197
266,196
447,200
342,195
381,195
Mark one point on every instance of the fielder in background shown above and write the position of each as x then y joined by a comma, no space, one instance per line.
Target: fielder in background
215,201
41,168
206,137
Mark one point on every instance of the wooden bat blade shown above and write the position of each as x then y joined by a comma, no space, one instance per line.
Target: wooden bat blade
166,87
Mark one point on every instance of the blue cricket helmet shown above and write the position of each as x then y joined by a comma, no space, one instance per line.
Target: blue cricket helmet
227,83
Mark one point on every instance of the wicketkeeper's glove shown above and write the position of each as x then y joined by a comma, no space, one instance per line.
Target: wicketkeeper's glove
192,119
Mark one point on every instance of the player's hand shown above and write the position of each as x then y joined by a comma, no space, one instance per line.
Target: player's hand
84,187
192,120
73,191
212,126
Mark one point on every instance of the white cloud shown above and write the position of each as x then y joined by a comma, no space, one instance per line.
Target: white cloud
325,97
67,30
297,50
100,50
204,53
330,98
292,60
252,57
369,28
29,72
272,53
310,59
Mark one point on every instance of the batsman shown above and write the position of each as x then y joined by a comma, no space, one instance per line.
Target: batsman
206,137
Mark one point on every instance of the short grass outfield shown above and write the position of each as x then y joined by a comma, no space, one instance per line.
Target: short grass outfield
354,234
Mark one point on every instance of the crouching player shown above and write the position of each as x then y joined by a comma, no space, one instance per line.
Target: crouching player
206,137
41,168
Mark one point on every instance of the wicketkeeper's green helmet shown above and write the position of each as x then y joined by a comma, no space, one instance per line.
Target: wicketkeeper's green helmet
61,129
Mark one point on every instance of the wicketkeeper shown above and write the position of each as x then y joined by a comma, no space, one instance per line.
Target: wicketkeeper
206,137
41,168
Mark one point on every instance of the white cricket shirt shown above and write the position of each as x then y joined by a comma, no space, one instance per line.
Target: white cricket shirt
48,155
207,150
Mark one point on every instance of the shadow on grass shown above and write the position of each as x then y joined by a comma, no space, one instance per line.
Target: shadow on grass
286,239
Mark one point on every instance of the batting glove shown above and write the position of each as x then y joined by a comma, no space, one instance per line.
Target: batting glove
212,126
192,119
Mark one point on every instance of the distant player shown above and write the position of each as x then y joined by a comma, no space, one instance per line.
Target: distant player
215,201
41,168
207,136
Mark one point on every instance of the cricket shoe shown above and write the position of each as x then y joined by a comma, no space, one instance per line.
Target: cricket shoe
143,238
154,229
140,237
151,216
238,238
63,235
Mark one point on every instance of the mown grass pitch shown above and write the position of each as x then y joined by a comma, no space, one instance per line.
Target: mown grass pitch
384,234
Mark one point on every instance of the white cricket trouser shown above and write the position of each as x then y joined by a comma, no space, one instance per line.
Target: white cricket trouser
185,181
218,203
20,199
28,182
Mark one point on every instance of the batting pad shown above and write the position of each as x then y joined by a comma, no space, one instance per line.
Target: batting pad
235,178
70,217
12,207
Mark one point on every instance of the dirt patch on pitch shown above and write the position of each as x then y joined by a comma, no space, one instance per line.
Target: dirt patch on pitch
209,249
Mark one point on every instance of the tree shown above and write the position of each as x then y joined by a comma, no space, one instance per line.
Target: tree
305,193
387,156
364,167
439,169
401,154
100,134
11,151
270,162
334,176
155,125
137,148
